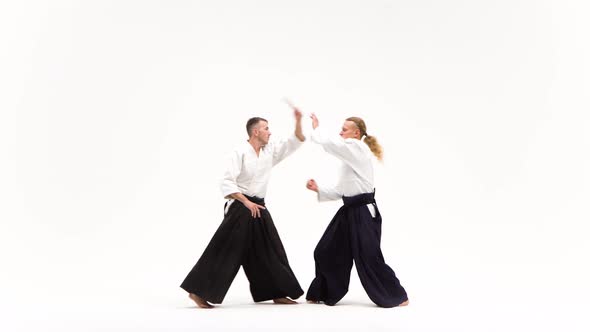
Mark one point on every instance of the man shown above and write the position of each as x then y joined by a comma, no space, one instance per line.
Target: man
247,236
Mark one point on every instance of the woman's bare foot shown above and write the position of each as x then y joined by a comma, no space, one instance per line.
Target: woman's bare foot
199,301
284,300
405,303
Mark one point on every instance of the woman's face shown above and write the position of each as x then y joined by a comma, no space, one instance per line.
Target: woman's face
350,130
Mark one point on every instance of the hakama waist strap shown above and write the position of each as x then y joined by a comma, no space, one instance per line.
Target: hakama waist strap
359,200
254,199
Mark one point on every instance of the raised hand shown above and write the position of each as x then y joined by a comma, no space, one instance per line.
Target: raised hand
297,114
314,121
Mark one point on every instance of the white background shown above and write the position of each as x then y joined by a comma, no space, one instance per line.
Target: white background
115,117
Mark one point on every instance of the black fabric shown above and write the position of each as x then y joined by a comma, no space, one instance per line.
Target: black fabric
353,234
253,243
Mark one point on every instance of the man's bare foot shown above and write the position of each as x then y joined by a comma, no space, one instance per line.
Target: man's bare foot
284,300
313,302
199,301
405,303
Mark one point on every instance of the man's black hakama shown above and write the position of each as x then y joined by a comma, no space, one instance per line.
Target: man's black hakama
253,243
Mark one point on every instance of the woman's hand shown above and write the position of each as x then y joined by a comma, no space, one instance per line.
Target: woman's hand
314,121
312,185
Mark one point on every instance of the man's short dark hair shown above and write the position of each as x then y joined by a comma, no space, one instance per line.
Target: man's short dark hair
252,122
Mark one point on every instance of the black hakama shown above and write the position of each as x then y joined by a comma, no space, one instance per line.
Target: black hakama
355,234
253,243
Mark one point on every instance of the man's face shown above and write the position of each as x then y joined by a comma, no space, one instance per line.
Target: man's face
262,133
350,130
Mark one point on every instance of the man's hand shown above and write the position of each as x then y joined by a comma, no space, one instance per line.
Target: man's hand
314,121
254,208
297,114
312,185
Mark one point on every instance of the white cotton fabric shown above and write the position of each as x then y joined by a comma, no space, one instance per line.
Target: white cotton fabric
356,172
248,173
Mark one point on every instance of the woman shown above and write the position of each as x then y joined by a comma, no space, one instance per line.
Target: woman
355,230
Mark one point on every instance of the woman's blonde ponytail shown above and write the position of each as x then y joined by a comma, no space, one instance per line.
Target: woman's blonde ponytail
371,141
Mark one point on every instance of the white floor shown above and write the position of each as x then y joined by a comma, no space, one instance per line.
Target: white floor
449,307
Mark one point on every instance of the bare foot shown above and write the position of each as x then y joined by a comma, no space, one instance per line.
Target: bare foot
199,301
284,300
313,302
405,303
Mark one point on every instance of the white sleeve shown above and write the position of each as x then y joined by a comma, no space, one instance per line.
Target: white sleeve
328,194
233,168
344,149
284,147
